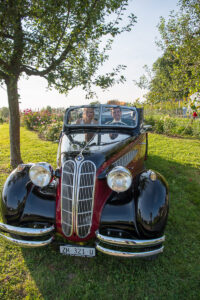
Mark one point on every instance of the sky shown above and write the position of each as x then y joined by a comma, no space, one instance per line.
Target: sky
133,49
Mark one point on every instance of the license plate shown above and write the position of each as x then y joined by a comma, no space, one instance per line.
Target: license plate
77,251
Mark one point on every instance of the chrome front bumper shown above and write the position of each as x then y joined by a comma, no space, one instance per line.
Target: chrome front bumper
111,241
129,243
27,232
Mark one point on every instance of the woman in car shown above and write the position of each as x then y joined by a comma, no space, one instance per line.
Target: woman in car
88,117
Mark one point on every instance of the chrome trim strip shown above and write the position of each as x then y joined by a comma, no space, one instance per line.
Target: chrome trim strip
32,244
26,231
125,159
129,254
129,242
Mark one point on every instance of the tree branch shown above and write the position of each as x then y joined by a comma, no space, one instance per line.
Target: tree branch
3,75
77,31
30,71
4,65
62,35
6,36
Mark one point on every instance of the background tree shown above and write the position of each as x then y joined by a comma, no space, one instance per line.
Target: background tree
4,112
58,40
176,74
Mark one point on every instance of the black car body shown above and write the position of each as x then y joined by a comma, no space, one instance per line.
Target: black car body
101,196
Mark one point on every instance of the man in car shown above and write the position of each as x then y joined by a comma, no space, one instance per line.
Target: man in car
116,113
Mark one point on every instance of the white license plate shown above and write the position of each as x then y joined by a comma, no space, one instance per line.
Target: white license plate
77,251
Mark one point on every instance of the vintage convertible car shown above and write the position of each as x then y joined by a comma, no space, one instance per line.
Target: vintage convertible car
100,197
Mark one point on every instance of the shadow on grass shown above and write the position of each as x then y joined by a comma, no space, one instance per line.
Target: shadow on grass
106,277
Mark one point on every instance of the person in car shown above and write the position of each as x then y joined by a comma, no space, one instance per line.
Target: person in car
88,117
116,113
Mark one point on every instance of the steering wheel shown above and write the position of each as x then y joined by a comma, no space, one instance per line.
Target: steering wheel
119,123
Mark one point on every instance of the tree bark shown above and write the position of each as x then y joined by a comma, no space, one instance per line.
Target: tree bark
14,121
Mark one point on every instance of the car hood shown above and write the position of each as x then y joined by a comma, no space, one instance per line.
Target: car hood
98,148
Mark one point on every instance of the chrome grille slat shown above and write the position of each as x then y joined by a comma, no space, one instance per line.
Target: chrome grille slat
68,172
86,186
66,223
87,173
85,199
67,198
67,211
89,212
80,226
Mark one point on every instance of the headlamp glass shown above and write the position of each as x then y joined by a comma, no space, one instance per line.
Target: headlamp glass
119,179
40,174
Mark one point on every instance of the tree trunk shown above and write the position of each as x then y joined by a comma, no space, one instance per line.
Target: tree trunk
14,121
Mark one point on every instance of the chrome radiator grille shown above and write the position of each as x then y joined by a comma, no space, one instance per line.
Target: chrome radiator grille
85,196
67,196
77,197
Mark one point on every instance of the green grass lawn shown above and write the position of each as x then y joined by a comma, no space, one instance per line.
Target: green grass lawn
45,274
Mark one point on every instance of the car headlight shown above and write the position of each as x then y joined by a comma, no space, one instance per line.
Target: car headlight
41,174
119,179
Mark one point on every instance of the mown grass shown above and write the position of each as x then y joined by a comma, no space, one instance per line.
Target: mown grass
45,274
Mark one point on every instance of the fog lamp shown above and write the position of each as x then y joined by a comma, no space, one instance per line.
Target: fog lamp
153,176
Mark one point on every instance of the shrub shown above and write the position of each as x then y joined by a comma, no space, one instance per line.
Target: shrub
34,120
174,126
149,120
159,126
180,129
51,132
37,120
196,129
188,130
169,125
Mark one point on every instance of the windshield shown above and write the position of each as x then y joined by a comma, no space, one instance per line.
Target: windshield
102,115
76,142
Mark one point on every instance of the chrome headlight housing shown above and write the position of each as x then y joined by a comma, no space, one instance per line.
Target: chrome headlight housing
119,179
41,174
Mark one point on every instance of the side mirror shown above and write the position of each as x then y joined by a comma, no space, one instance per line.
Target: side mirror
147,127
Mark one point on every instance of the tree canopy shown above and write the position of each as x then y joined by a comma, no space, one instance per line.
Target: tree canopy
176,74
60,41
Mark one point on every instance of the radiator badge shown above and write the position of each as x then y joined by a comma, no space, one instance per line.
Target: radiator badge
79,157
